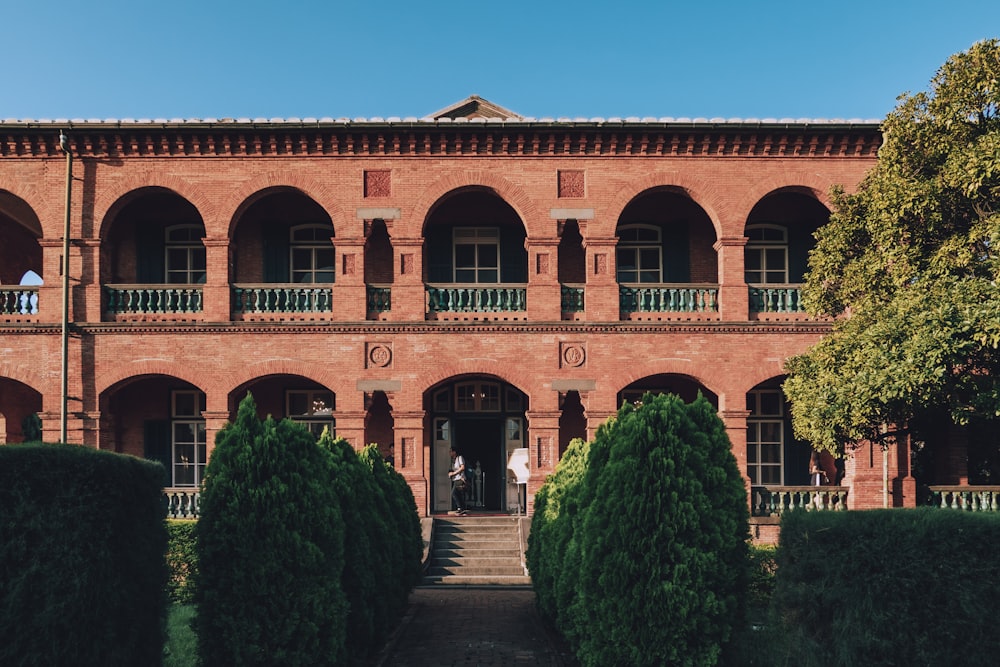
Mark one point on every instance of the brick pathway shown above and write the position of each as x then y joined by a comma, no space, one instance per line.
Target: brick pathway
472,627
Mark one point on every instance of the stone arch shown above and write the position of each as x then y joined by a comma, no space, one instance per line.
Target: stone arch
706,195
113,198
324,194
515,196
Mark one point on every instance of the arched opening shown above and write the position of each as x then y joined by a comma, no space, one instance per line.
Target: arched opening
483,418
774,456
780,231
379,425
18,402
572,420
683,386
294,397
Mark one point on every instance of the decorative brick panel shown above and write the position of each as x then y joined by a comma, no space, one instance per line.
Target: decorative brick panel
378,183
571,184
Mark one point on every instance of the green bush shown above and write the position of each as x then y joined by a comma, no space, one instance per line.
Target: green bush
886,587
658,553
270,545
406,545
182,560
552,529
82,568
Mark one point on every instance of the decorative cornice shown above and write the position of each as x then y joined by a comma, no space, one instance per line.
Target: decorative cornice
425,328
116,140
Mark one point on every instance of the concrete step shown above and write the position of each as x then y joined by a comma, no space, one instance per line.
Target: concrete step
486,580
474,550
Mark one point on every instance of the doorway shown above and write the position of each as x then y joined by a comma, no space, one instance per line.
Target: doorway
479,441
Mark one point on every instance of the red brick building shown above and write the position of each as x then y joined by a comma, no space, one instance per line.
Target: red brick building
472,278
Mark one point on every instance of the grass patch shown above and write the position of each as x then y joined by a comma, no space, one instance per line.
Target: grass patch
181,649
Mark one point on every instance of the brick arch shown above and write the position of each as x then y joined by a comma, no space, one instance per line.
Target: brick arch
709,197
512,194
28,192
250,373
178,370
454,370
23,373
812,185
110,196
658,367
324,194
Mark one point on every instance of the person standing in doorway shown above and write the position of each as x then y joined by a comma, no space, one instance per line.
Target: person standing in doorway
458,485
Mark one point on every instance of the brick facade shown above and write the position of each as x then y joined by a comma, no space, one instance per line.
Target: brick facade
402,367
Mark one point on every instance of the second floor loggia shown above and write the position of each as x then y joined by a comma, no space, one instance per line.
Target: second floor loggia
283,259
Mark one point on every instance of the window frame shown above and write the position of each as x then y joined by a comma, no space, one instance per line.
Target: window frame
320,242
762,246
317,415
636,246
193,249
478,238
182,415
756,443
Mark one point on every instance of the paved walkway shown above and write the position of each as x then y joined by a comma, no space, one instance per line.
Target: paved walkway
472,627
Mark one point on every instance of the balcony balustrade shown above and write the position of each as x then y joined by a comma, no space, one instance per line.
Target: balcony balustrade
19,300
668,298
776,299
776,500
966,498
476,298
571,298
153,298
379,298
182,502
282,298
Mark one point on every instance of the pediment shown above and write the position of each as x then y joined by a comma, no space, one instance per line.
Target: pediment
475,107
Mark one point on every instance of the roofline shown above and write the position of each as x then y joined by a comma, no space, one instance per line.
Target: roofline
411,122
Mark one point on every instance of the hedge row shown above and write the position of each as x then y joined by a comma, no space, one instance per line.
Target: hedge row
306,553
886,587
82,573
638,544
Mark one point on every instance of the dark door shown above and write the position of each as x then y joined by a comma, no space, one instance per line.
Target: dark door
480,441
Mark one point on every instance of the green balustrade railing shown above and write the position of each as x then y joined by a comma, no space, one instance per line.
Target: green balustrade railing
668,298
776,500
776,299
282,298
182,502
128,299
20,300
571,298
379,298
476,298
966,498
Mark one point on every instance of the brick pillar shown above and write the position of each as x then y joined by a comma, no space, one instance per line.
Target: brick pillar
350,298
408,285
50,294
87,301
871,472
215,420
215,292
601,302
412,456
734,297
735,422
543,280
543,449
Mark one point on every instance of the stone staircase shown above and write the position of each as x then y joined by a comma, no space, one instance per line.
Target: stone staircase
476,551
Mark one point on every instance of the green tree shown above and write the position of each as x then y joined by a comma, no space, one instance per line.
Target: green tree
270,545
909,265
663,563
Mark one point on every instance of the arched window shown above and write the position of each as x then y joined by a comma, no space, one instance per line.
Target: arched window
639,254
184,255
311,254
766,255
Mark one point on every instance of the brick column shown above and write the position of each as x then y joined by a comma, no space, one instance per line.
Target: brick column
350,298
412,456
543,449
215,420
734,297
543,282
216,305
87,296
871,471
408,285
601,302
735,422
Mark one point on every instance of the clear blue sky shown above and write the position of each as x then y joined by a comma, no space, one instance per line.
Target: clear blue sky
67,59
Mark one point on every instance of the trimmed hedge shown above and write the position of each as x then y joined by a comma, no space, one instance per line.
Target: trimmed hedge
653,566
270,549
82,568
182,559
886,587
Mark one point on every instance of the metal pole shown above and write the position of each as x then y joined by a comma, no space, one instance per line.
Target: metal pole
64,144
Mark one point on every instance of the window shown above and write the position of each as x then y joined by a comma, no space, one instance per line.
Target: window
639,254
187,437
477,254
311,408
185,255
477,397
766,255
765,436
311,254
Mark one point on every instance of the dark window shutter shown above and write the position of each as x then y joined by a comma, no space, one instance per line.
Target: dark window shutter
156,444
276,269
149,249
